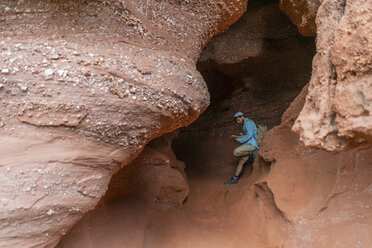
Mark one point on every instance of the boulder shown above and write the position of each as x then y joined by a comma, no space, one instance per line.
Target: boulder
84,86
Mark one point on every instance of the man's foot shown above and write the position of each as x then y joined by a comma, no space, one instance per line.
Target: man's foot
232,181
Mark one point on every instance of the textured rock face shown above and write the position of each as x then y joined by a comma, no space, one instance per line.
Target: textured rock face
84,86
337,112
325,197
152,183
302,13
252,51
244,71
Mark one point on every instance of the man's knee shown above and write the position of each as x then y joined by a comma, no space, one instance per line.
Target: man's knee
236,153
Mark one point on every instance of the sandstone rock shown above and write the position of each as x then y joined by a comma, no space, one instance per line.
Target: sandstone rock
336,112
321,194
302,13
151,184
251,53
47,185
77,111
353,64
121,156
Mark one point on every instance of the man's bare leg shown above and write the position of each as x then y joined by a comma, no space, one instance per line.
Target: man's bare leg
241,154
239,168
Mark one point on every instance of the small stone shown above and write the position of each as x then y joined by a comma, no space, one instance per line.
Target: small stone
7,8
55,57
24,88
363,22
1,86
5,71
62,73
48,74
50,212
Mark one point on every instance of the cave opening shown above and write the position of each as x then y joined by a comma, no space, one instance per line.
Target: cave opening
257,67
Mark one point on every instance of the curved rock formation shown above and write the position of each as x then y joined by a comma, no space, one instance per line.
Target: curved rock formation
324,198
84,86
337,112
153,183
302,13
250,55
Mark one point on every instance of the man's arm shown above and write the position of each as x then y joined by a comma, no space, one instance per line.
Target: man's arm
234,136
248,135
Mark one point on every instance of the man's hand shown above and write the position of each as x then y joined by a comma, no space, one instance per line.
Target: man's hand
235,136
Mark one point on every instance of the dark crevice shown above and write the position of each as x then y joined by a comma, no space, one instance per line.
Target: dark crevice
264,193
258,67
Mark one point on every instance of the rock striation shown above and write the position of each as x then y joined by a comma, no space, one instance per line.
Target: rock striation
84,86
318,195
151,184
337,112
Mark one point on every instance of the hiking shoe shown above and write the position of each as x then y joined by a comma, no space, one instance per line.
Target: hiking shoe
232,181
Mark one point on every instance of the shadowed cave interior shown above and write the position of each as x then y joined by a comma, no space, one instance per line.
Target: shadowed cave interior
258,67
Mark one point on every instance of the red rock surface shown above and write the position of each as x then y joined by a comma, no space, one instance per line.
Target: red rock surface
294,197
324,196
84,86
337,110
153,183
302,13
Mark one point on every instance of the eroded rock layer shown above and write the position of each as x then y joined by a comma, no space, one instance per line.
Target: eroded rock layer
323,197
153,183
302,13
84,86
337,112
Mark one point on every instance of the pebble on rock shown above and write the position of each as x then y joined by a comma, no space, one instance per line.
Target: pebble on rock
48,74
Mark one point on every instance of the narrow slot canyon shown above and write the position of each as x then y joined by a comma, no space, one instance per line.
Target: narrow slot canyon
173,194
116,117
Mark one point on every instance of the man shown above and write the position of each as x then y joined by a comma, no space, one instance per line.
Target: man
249,147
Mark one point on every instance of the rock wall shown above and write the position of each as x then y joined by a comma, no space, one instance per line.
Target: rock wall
323,197
84,86
302,13
244,71
153,183
251,53
337,111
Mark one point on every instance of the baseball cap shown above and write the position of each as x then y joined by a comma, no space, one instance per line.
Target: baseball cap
238,114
